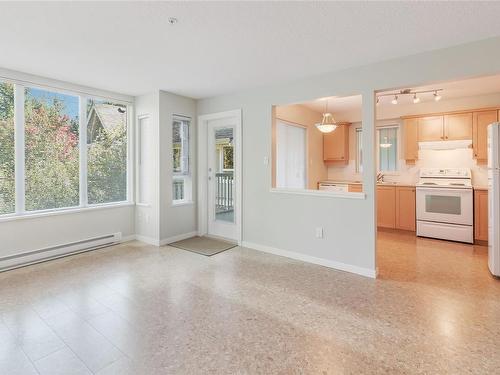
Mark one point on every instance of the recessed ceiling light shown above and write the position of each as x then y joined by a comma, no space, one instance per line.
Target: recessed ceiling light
172,20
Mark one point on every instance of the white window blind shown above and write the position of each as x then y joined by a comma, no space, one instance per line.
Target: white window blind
290,156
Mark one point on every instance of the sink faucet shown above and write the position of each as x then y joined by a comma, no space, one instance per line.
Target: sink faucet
380,177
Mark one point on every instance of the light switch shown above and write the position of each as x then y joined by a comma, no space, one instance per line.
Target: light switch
266,160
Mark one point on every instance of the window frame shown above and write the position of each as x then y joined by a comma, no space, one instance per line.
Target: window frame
185,174
20,158
377,140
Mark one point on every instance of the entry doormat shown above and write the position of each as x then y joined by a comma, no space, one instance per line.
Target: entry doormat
203,245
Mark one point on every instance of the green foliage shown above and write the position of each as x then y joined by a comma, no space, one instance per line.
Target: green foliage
7,171
107,167
52,171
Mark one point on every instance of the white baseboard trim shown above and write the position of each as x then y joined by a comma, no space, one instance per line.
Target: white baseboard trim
310,259
148,240
179,237
132,237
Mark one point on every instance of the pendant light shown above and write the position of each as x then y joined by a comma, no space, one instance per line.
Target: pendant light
328,123
386,144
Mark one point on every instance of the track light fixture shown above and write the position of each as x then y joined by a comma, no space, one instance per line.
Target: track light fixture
416,95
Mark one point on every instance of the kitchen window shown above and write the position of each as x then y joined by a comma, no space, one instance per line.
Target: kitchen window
387,149
387,144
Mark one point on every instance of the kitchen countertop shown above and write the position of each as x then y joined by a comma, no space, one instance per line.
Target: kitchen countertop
388,183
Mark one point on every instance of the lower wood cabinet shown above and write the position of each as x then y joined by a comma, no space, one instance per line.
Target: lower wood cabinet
396,207
405,208
481,215
386,206
355,188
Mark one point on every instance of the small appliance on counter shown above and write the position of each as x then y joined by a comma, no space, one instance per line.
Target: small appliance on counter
494,198
445,204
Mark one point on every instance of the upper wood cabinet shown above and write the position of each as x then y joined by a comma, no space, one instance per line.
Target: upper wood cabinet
430,128
458,126
405,208
481,120
410,140
481,215
336,145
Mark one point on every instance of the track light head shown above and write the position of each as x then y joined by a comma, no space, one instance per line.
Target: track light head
395,100
416,99
437,97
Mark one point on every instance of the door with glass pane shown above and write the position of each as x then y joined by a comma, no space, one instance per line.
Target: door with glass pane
223,173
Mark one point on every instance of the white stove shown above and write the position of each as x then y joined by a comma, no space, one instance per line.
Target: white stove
445,204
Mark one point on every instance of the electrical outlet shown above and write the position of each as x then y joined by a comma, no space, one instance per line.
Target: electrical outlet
319,232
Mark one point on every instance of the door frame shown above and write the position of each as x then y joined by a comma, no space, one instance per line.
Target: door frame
203,169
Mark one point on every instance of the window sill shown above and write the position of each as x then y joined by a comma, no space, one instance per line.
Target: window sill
319,193
67,211
182,203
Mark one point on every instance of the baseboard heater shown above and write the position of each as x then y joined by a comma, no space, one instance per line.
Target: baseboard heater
58,251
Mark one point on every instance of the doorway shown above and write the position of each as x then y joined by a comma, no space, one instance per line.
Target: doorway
219,200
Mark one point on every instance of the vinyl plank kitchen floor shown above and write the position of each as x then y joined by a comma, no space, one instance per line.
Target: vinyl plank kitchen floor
139,309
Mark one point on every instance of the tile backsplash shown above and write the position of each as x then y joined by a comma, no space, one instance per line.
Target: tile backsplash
459,158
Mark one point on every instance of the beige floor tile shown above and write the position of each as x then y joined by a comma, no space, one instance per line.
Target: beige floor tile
62,362
138,309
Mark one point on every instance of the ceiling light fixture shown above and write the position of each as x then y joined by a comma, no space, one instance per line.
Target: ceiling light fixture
416,95
328,123
386,144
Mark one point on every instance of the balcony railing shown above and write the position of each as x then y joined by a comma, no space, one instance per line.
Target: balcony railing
178,189
224,201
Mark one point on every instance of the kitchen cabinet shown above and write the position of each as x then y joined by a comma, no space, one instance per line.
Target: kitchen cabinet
410,140
355,188
396,207
336,145
480,123
430,128
405,208
481,215
458,126
386,206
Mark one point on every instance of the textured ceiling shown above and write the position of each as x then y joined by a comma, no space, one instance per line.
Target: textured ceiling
220,47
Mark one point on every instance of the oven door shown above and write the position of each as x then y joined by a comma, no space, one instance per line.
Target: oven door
444,205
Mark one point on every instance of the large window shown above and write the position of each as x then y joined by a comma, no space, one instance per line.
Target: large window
7,160
180,160
387,139
51,158
106,152
51,150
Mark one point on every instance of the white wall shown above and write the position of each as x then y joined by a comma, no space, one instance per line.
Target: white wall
147,216
288,221
26,234
176,220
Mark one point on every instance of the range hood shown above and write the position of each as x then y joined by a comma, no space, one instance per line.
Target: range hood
445,145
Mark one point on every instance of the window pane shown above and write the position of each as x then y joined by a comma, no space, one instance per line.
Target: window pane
180,159
51,146
106,152
388,155
7,173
